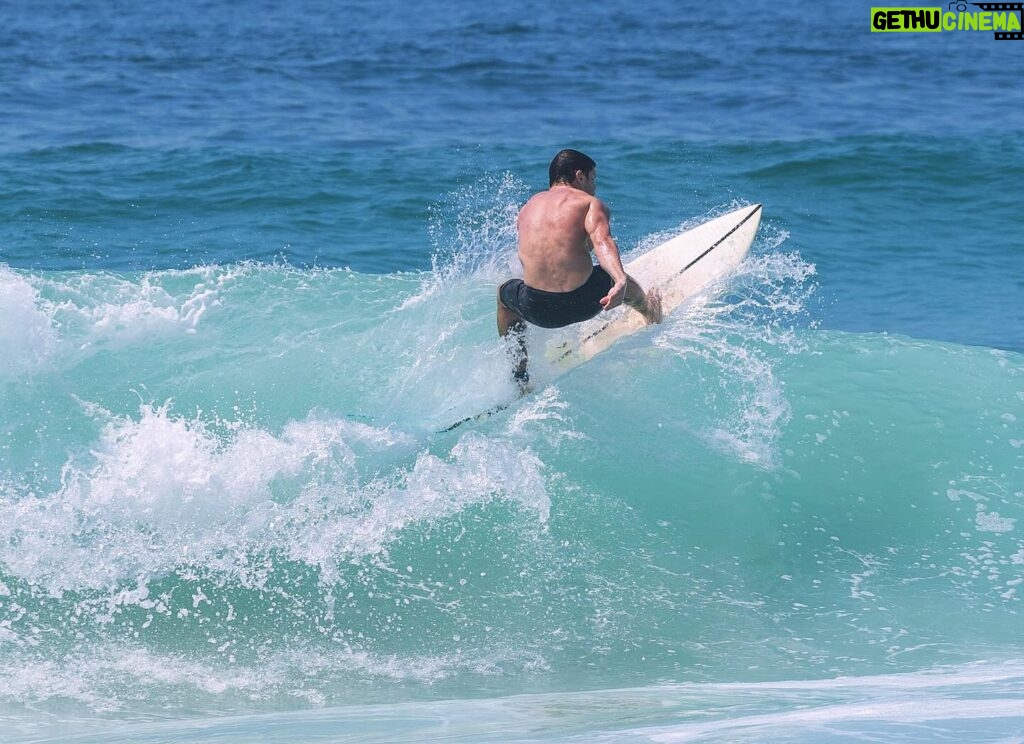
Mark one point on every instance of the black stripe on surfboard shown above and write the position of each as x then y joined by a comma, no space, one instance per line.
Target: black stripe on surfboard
737,226
478,417
741,223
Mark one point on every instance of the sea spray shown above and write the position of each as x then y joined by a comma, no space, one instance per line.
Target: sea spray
473,230
26,333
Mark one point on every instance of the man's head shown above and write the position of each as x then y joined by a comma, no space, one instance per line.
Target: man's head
574,168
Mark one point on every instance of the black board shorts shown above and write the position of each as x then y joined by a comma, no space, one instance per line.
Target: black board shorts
556,309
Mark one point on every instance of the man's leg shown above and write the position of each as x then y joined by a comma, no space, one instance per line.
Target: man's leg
510,322
647,303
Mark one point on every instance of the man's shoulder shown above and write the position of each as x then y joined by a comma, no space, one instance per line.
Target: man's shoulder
586,201
597,207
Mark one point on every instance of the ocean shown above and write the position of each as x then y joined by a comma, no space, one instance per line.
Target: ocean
248,256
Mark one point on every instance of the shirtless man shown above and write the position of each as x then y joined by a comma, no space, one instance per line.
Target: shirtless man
557,230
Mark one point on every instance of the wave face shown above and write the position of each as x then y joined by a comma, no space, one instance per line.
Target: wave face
224,488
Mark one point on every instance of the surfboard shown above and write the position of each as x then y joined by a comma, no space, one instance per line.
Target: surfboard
681,267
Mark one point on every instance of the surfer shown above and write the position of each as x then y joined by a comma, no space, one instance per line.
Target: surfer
560,286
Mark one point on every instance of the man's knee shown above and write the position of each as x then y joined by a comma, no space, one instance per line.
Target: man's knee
509,320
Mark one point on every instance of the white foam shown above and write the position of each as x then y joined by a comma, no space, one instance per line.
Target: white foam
992,522
112,311
27,335
162,491
478,470
117,677
546,407
53,319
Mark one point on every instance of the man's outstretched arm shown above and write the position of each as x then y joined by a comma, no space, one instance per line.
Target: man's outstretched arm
600,233
626,289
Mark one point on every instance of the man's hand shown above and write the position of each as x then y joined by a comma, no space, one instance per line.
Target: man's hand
615,295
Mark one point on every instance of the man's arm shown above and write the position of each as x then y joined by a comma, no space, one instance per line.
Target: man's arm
600,233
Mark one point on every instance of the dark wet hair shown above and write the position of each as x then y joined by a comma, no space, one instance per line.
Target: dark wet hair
565,164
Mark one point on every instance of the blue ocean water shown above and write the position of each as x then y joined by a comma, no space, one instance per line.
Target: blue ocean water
247,266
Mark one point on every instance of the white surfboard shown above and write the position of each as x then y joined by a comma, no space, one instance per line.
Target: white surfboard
680,268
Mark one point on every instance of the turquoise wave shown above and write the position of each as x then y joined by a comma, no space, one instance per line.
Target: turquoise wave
227,482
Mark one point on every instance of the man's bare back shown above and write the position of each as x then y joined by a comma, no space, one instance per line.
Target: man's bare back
554,247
